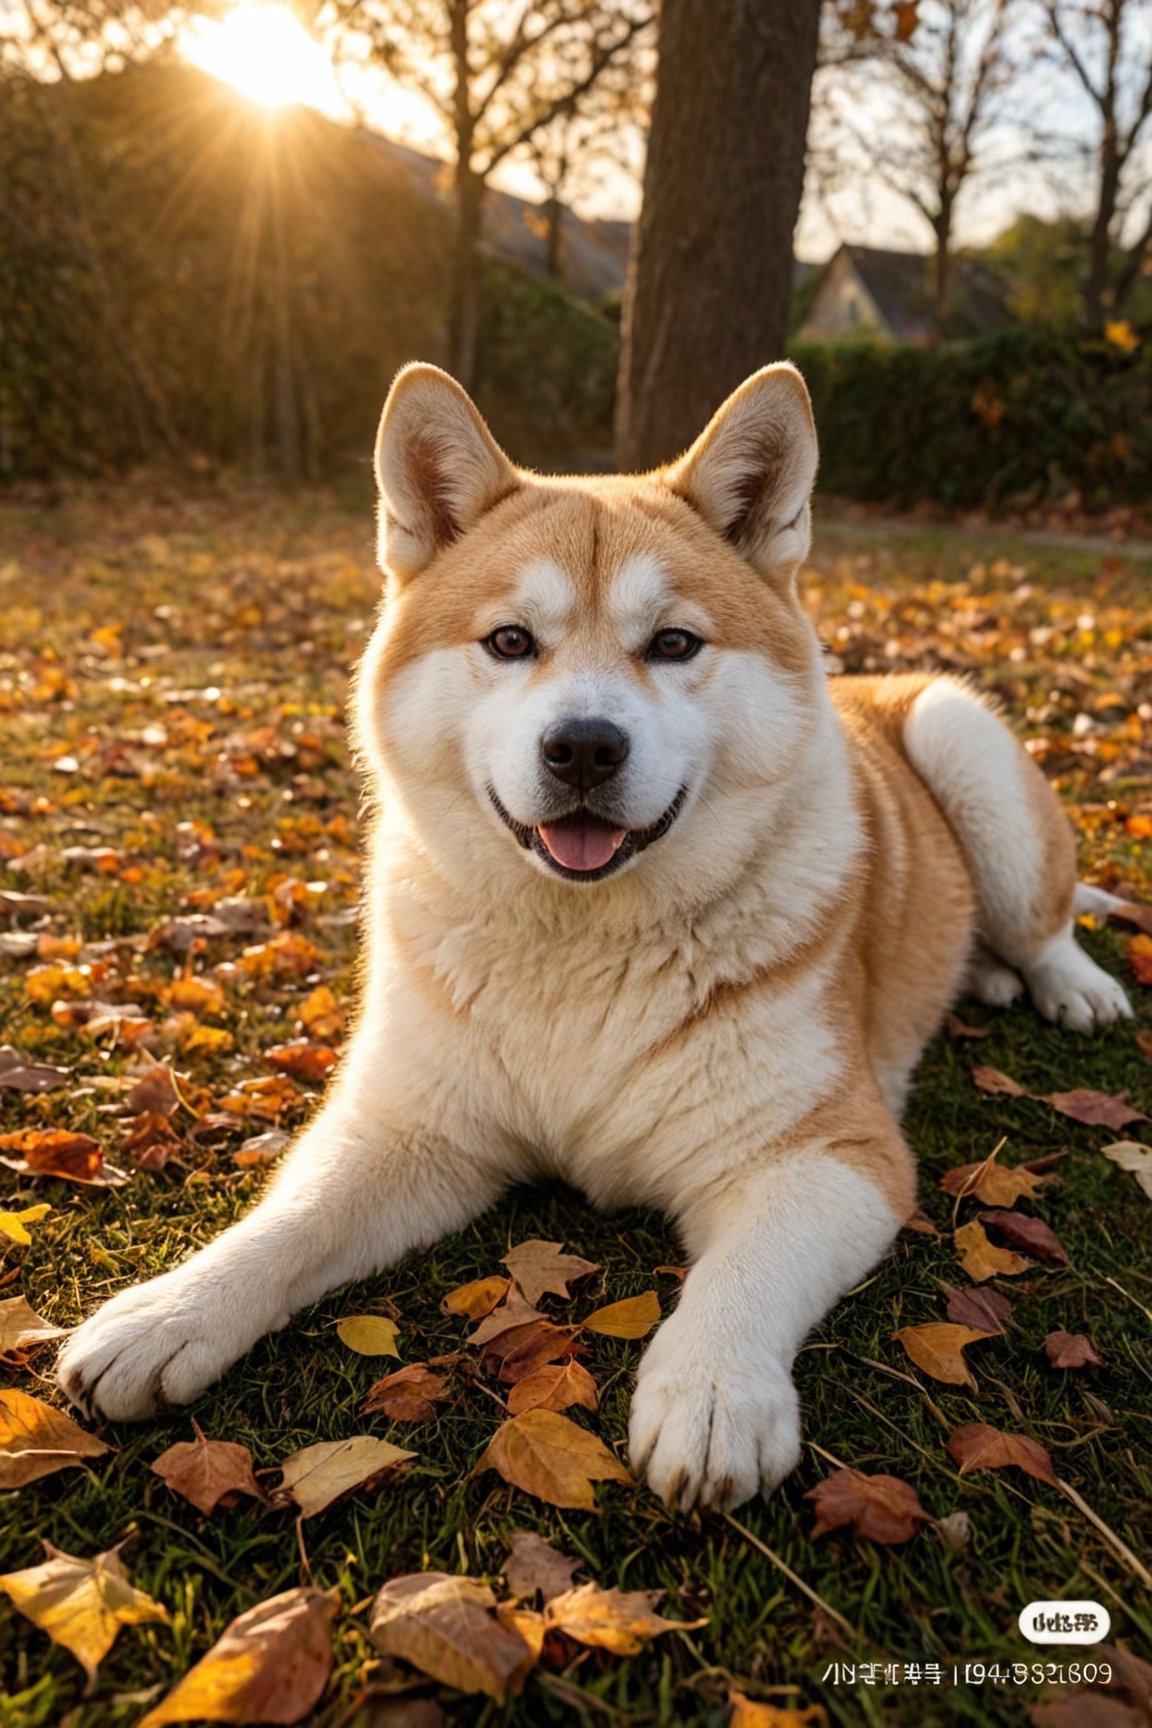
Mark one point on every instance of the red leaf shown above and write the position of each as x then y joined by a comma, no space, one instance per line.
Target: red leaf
976,1446
987,1310
1071,1350
302,1060
1027,1235
1098,1109
883,1508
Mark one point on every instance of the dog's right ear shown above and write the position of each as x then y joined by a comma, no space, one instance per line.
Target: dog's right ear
438,469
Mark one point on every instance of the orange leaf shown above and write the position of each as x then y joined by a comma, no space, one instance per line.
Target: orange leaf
36,1440
56,1152
981,1259
547,1455
938,1349
555,1386
633,1318
444,1626
883,1508
302,1060
976,1446
207,1472
621,1621
477,1299
409,1395
271,1665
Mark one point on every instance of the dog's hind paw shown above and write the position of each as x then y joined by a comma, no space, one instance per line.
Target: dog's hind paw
1069,988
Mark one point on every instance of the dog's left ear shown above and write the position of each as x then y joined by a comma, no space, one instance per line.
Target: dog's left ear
438,469
750,472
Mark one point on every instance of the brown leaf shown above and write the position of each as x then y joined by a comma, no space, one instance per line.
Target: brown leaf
981,1259
80,1604
748,1714
991,1080
270,1665
56,1152
24,1074
444,1626
633,1318
622,1621
521,1350
322,1015
302,1060
986,1310
555,1386
991,1182
21,1326
1017,1230
316,1476
1098,1109
958,1028
515,1310
1071,1350
938,1349
543,1268
921,1223
409,1395
207,1472
476,1299
976,1446
547,1455
1134,1158
36,1440
155,1093
883,1508
534,1565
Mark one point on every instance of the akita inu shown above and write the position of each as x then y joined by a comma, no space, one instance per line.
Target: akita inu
651,905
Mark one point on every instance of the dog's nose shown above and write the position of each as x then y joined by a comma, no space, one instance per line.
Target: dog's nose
584,753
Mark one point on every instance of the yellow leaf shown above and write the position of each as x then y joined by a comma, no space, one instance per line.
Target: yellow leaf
633,1318
271,1665
747,1714
938,1349
618,1620
80,1604
476,1299
12,1223
369,1335
554,1386
322,1014
443,1625
981,1259
1120,334
317,1475
550,1457
36,1440
21,1326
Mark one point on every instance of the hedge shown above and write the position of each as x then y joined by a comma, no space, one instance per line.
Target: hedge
1019,417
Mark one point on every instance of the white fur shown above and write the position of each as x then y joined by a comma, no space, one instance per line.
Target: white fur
1067,986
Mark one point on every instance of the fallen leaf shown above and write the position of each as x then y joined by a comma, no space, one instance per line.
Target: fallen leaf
302,1060
24,1074
555,1386
322,1014
955,1530
938,1349
633,1318
207,1471
543,1268
369,1334
991,1182
976,1446
986,1310
621,1621
883,1508
21,1326
270,1665
444,1626
958,1028
476,1299
921,1223
80,1604
514,1310
316,1476
1071,1350
14,1224
747,1714
981,1259
1132,912
1017,1230
36,1440
1098,1109
991,1080
1134,1158
1140,958
56,1152
547,1455
533,1565
410,1395
521,1350
261,1148
155,1092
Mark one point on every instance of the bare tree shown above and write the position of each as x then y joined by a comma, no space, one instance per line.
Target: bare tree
919,97
67,39
1106,45
588,145
711,275
497,75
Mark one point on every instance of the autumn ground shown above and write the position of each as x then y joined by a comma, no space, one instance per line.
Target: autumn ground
172,678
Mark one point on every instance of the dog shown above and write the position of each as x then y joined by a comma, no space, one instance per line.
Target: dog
652,905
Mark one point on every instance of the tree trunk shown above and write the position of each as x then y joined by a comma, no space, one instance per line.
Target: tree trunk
464,309
711,276
1096,296
942,272
553,236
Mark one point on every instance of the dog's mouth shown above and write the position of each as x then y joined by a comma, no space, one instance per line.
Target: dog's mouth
583,846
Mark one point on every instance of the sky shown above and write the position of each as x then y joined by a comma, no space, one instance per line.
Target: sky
263,50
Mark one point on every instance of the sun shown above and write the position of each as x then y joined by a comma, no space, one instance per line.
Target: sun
264,51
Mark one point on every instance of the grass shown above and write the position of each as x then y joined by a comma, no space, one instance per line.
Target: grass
172,672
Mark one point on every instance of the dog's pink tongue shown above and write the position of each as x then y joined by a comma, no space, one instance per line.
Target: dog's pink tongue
582,842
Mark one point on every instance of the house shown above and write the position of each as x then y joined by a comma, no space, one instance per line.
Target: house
865,293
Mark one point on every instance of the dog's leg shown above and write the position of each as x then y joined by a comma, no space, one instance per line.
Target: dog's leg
715,1415
355,1194
1020,850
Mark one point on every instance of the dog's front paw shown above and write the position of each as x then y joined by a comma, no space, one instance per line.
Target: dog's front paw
151,1347
711,1429
1071,990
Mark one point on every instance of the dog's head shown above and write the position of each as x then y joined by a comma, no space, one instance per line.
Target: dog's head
606,676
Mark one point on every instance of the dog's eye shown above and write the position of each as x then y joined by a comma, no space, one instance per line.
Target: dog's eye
673,645
510,642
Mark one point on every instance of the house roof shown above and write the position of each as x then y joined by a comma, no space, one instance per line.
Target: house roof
900,284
